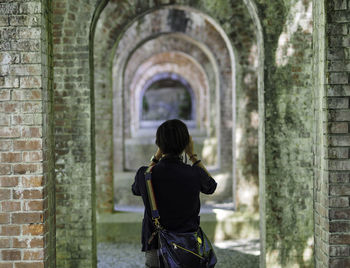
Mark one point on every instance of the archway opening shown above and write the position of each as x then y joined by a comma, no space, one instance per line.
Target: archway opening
219,78
167,96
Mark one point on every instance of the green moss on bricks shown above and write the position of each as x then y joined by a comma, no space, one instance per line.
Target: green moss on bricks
289,126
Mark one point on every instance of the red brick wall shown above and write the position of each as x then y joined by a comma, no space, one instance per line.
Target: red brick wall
338,138
24,76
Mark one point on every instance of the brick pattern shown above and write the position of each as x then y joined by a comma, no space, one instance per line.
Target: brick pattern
289,131
321,187
75,233
23,192
337,104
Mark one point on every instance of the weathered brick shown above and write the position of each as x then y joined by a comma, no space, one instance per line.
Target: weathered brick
338,153
339,201
28,194
10,82
338,103
5,119
27,168
10,230
26,45
25,20
27,145
340,4
20,242
30,8
339,214
339,164
8,33
6,265
338,128
336,53
37,242
5,94
339,189
32,156
339,239
33,255
32,217
31,132
4,20
338,90
339,262
9,8
5,145
339,115
339,226
5,169
31,107
9,132
11,157
23,119
25,69
29,33
29,265
32,181
30,57
8,181
9,107
34,205
9,58
5,45
5,194
11,255
30,82
33,229
4,218
10,206
4,242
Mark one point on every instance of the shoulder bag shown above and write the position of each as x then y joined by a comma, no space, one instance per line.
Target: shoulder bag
179,250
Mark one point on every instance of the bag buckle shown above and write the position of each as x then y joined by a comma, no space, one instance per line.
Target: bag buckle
157,223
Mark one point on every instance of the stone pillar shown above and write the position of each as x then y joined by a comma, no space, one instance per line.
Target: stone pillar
74,148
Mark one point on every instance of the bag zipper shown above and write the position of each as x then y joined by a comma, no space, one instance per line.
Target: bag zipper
177,246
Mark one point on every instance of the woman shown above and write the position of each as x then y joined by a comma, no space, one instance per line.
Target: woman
176,186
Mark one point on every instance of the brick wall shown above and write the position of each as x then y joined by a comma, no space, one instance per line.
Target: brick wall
289,131
74,153
320,182
24,176
337,136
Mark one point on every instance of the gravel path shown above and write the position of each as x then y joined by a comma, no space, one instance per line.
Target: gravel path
230,254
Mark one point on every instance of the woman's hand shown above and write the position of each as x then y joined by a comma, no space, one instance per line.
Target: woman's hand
189,147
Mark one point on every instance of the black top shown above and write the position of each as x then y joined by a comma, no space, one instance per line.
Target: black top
176,188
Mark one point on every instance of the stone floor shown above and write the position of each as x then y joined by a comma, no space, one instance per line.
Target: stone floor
230,254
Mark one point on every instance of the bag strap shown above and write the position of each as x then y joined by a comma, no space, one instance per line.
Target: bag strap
151,198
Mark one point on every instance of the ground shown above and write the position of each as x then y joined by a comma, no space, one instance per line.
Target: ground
230,254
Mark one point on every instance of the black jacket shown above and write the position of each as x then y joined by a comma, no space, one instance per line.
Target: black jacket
176,189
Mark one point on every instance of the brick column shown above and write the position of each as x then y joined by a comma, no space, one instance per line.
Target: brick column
24,141
338,136
74,151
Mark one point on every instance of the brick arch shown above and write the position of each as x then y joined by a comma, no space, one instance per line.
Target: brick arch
178,63
178,42
225,70
158,77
